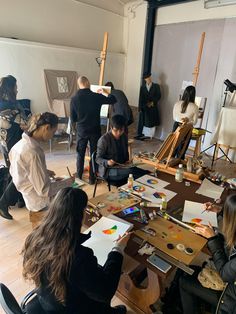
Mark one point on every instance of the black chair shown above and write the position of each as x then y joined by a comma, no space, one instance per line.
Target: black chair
98,178
8,301
29,305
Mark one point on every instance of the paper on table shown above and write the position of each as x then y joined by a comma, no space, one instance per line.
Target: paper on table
104,233
150,194
210,189
152,181
193,213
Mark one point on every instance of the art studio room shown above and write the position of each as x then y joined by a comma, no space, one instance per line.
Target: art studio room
117,156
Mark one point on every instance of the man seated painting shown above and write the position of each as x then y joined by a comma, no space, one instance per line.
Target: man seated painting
112,153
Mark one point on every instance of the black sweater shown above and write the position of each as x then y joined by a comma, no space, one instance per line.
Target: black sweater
85,110
90,286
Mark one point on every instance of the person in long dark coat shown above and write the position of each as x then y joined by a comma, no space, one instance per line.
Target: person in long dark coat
149,96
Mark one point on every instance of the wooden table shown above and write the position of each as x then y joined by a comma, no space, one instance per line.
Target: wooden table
141,298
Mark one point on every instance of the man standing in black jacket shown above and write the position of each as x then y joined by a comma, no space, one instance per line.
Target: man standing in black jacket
85,110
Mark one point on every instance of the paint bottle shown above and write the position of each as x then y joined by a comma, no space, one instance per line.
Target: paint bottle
164,204
130,181
179,175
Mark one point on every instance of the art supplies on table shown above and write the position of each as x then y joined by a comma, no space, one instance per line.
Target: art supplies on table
104,233
114,202
153,182
169,235
210,189
194,213
152,195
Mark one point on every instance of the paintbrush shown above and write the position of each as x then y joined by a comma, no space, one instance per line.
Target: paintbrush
205,210
69,171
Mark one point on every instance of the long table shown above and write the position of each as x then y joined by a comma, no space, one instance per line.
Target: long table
142,298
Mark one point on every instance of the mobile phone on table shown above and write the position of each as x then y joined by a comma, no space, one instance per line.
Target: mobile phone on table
130,210
159,263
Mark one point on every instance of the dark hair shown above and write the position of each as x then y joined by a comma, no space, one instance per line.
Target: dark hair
188,96
7,88
50,248
229,219
118,122
110,84
37,120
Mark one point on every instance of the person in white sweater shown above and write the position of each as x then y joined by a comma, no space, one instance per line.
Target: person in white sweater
185,111
28,166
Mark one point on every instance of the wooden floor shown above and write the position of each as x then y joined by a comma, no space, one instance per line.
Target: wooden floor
13,233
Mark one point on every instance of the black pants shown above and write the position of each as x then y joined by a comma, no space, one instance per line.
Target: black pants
82,143
140,124
122,174
10,197
192,292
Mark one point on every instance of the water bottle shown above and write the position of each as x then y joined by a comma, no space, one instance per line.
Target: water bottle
130,181
189,165
179,175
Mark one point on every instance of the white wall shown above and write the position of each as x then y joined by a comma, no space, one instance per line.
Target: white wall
60,22
27,60
192,11
134,35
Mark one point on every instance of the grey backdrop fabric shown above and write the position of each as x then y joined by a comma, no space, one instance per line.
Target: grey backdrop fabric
174,57
60,85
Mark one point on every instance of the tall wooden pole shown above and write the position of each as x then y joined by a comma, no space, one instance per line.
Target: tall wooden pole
103,57
197,66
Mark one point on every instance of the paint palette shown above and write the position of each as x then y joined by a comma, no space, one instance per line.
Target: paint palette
114,202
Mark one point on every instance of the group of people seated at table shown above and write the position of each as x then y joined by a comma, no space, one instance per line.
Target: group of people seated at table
65,272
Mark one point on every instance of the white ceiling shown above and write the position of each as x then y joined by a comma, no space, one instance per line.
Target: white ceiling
116,6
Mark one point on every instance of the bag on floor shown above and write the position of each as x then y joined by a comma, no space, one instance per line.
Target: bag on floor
4,179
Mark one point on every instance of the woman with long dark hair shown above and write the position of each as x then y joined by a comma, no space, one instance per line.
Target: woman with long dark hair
28,166
223,250
65,271
186,110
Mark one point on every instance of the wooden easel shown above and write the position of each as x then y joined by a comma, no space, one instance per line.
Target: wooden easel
197,66
103,55
166,151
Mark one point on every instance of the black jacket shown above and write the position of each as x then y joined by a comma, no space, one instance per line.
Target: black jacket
148,105
226,266
90,286
121,106
107,148
85,110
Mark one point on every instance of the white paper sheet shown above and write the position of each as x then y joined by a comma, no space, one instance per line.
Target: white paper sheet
150,194
193,213
153,182
104,108
104,233
210,189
